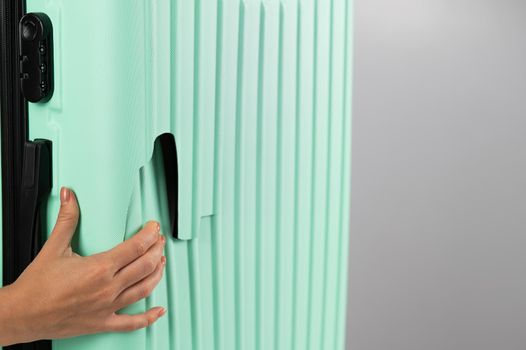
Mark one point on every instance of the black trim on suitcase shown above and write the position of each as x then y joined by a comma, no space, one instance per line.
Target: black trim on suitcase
26,165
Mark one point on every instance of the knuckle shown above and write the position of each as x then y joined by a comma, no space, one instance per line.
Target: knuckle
145,322
107,326
131,326
102,270
137,324
64,218
144,292
141,247
67,214
107,295
159,276
108,262
149,265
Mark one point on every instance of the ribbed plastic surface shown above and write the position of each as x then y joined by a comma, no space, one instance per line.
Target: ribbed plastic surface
258,96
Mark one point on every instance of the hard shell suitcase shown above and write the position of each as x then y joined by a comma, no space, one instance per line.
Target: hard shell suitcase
226,120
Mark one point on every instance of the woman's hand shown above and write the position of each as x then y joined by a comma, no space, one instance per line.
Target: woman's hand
62,294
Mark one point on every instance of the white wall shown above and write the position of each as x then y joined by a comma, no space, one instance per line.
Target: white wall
438,241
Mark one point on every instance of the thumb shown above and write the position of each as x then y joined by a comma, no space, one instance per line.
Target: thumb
66,224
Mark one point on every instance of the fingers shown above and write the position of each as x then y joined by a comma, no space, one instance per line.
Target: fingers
141,289
141,267
137,246
128,323
66,224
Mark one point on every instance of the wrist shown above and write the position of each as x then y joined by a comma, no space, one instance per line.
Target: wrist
12,324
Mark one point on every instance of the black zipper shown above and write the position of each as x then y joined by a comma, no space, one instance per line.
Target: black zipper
14,128
17,251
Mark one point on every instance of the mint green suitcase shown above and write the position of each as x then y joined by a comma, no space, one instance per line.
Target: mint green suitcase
257,96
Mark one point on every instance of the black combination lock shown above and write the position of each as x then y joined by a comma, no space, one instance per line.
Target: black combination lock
36,57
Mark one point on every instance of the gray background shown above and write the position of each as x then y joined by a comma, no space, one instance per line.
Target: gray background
438,233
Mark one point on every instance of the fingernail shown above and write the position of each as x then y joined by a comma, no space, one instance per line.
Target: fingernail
162,312
157,227
163,239
65,195
163,260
